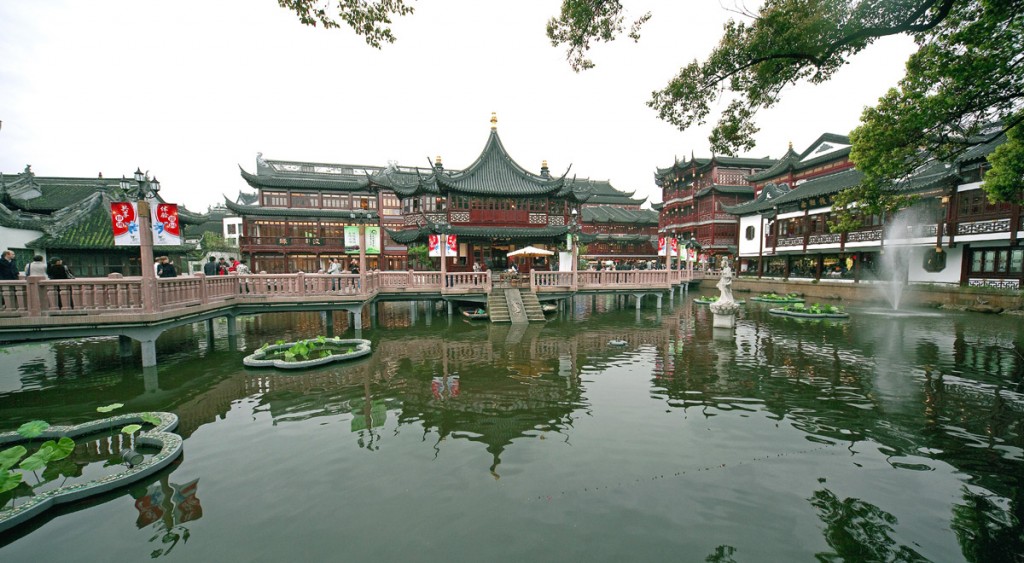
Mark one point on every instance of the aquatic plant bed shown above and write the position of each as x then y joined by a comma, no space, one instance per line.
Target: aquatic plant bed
307,353
816,311
19,509
713,299
775,298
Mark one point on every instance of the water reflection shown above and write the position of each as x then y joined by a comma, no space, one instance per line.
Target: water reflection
938,399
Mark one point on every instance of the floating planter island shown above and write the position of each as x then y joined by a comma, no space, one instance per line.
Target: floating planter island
816,311
775,298
713,299
31,457
307,353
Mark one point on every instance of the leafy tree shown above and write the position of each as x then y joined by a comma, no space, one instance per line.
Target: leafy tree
369,18
967,74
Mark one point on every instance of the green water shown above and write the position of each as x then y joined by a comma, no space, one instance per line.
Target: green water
873,439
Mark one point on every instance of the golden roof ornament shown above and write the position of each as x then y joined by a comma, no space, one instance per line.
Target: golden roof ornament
494,120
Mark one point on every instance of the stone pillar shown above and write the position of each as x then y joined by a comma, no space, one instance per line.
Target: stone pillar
125,346
329,323
149,285
232,327
209,327
659,301
362,258
638,297
148,351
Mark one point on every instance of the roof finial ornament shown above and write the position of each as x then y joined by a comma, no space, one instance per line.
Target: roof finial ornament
494,121
791,145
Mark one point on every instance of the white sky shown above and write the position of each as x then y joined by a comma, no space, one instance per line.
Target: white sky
190,89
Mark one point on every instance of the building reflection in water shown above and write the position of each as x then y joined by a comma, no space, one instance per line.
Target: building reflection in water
164,508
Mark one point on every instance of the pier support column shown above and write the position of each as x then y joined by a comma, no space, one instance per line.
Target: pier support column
209,327
124,346
659,301
148,352
638,298
412,312
232,326
357,319
449,309
329,323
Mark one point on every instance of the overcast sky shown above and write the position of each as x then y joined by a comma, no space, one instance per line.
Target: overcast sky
191,89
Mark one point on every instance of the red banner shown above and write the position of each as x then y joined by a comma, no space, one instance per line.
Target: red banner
166,228
123,215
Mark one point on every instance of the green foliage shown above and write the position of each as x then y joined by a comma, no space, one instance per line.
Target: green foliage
32,429
11,456
109,408
419,255
369,18
1005,181
815,309
9,480
213,242
150,418
49,451
131,429
582,22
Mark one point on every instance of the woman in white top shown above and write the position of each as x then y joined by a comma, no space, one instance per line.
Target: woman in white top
36,267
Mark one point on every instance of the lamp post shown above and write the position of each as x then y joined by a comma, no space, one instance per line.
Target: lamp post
442,231
574,231
141,191
690,244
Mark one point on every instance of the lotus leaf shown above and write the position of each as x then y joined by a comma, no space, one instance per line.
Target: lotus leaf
10,457
110,407
9,480
131,429
32,429
61,468
150,418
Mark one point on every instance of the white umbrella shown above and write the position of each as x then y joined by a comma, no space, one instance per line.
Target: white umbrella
531,252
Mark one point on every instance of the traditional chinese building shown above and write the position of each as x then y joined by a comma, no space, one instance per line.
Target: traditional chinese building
492,207
69,218
695,193
952,234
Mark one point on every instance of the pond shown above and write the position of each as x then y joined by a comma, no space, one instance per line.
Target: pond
873,438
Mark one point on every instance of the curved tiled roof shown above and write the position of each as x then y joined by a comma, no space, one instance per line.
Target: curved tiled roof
764,200
610,214
704,163
793,161
260,211
495,173
305,181
405,236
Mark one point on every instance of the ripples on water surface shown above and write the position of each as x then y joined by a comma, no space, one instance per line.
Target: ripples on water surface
874,439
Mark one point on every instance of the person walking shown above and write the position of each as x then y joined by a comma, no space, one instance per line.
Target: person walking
8,269
222,267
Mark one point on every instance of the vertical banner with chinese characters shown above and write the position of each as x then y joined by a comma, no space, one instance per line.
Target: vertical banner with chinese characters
352,240
662,246
434,246
124,216
166,228
373,240
453,247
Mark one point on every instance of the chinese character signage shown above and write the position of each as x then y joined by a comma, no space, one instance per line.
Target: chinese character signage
166,228
124,215
373,240
661,246
352,240
434,246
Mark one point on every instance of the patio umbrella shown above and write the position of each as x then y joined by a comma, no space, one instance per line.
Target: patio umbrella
531,252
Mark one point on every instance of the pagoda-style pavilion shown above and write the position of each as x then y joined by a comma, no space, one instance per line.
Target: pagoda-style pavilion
492,207
694,194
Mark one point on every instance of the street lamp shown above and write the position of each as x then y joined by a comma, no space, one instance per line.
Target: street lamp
141,191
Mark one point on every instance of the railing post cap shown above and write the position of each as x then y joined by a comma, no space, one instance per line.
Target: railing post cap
114,276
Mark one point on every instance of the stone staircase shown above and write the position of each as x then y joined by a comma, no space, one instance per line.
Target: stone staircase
514,306
497,308
531,305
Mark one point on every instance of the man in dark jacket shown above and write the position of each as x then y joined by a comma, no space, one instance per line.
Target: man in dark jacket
210,268
8,269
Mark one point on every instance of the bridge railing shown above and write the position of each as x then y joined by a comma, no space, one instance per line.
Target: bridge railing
611,279
13,297
89,295
550,281
117,295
